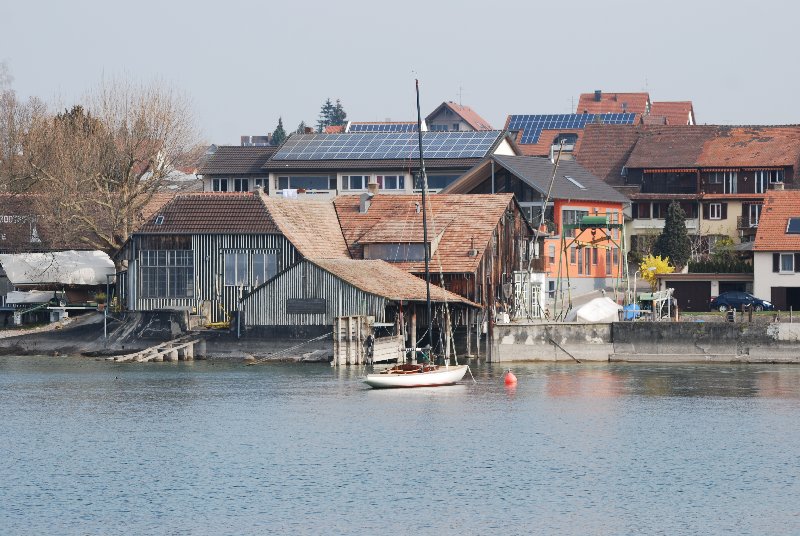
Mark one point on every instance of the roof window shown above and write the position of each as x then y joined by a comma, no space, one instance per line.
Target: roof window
793,227
159,220
576,183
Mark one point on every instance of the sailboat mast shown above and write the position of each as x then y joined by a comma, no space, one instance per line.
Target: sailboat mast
424,221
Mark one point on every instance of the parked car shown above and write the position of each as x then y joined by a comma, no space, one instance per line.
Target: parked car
735,300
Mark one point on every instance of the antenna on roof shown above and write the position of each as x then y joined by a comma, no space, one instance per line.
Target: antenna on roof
459,95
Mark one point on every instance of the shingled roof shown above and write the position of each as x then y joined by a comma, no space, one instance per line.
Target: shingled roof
604,150
675,112
237,160
211,213
468,222
752,146
613,103
311,226
537,173
386,280
779,206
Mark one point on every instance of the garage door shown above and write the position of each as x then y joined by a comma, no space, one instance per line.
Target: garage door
691,295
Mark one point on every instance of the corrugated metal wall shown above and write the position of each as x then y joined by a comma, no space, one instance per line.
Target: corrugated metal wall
209,272
267,306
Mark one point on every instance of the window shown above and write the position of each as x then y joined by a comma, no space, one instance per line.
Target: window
219,185
391,182
438,128
608,261
551,253
594,256
575,182
246,269
793,226
167,274
580,263
261,183
787,262
455,127
397,252
715,211
588,260
355,182
572,255
437,181
776,175
323,182
754,213
641,211
615,251
715,177
730,178
240,185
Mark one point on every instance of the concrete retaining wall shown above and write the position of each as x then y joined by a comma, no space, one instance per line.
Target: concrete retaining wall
648,342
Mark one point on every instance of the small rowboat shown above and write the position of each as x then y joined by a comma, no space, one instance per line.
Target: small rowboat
416,376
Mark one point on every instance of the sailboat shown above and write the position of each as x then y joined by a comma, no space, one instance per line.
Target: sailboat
427,374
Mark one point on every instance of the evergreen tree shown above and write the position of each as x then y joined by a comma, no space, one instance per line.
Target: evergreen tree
325,115
301,128
338,115
673,242
279,136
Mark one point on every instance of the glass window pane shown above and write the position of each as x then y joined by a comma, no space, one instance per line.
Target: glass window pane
230,269
241,269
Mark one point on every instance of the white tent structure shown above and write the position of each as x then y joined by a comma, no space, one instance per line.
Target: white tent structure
598,310
57,267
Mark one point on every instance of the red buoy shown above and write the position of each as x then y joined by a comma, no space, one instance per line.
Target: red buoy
510,378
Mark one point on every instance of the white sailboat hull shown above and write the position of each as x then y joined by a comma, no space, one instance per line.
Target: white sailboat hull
434,378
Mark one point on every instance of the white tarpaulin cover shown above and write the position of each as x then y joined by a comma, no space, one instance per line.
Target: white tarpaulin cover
33,296
63,267
597,310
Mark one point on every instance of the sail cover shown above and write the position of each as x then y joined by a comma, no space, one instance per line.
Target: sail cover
62,267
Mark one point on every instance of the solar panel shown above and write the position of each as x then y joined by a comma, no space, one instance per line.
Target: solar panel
793,227
532,125
386,145
382,127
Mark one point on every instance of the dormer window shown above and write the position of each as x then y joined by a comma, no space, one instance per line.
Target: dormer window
159,220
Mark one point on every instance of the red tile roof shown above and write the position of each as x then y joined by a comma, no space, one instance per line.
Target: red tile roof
212,213
334,129
752,146
468,222
669,146
545,141
675,113
604,150
466,113
311,226
779,206
613,103
384,279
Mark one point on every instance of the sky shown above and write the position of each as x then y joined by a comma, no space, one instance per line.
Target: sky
245,64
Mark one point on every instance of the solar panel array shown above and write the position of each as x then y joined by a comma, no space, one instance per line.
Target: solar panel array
382,127
386,145
532,125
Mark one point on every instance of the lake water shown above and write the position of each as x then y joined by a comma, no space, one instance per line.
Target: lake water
93,447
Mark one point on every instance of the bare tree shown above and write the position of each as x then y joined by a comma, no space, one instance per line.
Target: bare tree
96,168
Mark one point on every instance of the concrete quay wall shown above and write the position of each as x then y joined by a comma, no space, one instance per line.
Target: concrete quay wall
648,342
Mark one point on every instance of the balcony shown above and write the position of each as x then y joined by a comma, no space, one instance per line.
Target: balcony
746,222
650,188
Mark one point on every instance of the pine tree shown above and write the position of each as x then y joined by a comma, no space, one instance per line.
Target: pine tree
325,115
338,115
279,135
673,242
301,128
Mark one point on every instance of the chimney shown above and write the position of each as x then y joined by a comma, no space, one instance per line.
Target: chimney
372,185
366,200
598,95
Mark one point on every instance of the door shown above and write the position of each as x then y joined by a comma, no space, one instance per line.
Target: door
691,295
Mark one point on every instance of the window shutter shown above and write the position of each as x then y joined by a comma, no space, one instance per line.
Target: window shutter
706,211
724,211
797,262
776,262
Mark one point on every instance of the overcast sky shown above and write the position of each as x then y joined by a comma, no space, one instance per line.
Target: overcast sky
244,64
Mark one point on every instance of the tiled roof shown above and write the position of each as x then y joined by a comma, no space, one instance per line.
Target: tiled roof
613,103
670,146
237,160
212,213
537,173
675,113
604,150
334,129
466,113
752,146
779,206
375,165
545,141
475,219
311,226
155,205
384,279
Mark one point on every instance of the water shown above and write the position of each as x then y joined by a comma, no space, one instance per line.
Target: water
215,448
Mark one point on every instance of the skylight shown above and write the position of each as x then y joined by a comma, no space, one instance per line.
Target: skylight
793,227
159,219
576,183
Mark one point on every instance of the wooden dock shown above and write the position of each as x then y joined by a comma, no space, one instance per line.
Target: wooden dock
181,349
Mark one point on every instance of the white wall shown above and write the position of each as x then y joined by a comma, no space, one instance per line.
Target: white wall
764,278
